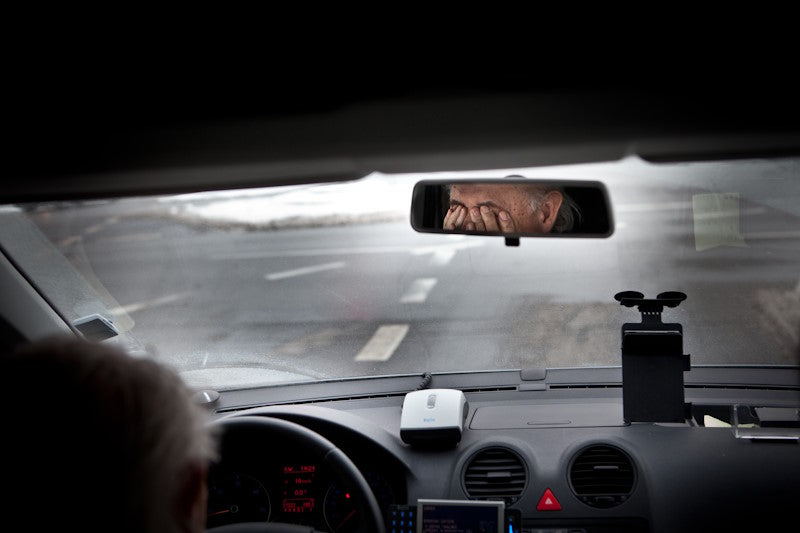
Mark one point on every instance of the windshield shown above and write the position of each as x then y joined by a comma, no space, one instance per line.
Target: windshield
258,286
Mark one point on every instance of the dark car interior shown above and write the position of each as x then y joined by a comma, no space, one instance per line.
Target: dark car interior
615,449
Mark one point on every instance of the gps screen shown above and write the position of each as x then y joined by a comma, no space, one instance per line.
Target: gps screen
456,516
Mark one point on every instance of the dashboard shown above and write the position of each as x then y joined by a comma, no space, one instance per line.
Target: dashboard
276,480
301,492
562,459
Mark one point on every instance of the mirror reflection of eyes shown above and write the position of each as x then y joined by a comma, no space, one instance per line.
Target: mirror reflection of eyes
490,204
512,207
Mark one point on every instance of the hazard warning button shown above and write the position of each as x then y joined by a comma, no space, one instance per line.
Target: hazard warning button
548,502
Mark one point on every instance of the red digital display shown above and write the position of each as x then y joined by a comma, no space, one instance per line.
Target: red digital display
300,505
298,482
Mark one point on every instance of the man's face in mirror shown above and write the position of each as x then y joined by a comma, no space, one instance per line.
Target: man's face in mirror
497,207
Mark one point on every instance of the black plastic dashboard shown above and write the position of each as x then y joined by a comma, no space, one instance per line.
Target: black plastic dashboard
537,440
278,480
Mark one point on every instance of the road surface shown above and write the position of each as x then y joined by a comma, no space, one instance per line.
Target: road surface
377,298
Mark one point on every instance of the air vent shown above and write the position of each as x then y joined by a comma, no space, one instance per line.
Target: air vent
495,474
602,476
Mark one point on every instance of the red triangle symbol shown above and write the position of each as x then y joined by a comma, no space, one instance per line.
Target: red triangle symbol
548,502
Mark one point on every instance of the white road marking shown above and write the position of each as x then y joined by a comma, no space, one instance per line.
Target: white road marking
303,271
418,292
94,229
383,343
101,225
144,236
311,252
442,257
69,241
146,304
442,254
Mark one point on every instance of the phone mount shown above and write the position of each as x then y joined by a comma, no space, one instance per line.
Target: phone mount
653,361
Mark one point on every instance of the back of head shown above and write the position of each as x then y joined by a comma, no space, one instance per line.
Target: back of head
569,213
97,440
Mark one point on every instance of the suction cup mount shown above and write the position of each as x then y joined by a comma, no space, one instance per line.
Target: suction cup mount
650,308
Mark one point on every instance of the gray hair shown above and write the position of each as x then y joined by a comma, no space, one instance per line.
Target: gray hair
567,213
119,432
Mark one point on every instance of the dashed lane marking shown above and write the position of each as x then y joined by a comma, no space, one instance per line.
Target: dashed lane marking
147,304
383,343
304,271
418,291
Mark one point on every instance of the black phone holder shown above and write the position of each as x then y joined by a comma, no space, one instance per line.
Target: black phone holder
653,361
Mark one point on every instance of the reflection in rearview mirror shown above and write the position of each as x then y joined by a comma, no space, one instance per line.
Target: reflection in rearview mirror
512,207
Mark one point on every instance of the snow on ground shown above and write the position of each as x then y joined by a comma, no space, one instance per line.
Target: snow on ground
380,197
375,197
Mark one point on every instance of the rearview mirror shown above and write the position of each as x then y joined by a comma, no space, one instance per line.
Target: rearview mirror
512,207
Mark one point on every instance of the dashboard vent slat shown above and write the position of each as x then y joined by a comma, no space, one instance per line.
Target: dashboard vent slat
602,476
494,474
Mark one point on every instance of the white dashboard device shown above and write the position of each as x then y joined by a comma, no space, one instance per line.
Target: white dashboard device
433,417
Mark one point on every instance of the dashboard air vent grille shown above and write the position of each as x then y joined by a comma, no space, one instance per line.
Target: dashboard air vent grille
495,473
602,476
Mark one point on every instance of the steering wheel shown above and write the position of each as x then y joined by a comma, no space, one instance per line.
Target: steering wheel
260,433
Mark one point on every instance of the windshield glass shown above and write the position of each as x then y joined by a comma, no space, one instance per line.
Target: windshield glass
239,288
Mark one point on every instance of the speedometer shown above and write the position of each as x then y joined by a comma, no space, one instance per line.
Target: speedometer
234,497
340,505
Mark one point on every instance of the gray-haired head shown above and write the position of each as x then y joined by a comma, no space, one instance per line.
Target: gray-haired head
117,434
568,213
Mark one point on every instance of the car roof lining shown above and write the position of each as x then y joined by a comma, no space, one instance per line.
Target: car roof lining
105,148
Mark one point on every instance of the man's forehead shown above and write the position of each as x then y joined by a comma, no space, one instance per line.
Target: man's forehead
489,190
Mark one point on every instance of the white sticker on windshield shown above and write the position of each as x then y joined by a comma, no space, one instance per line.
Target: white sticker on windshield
716,220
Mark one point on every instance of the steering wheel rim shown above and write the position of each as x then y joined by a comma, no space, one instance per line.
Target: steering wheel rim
263,430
